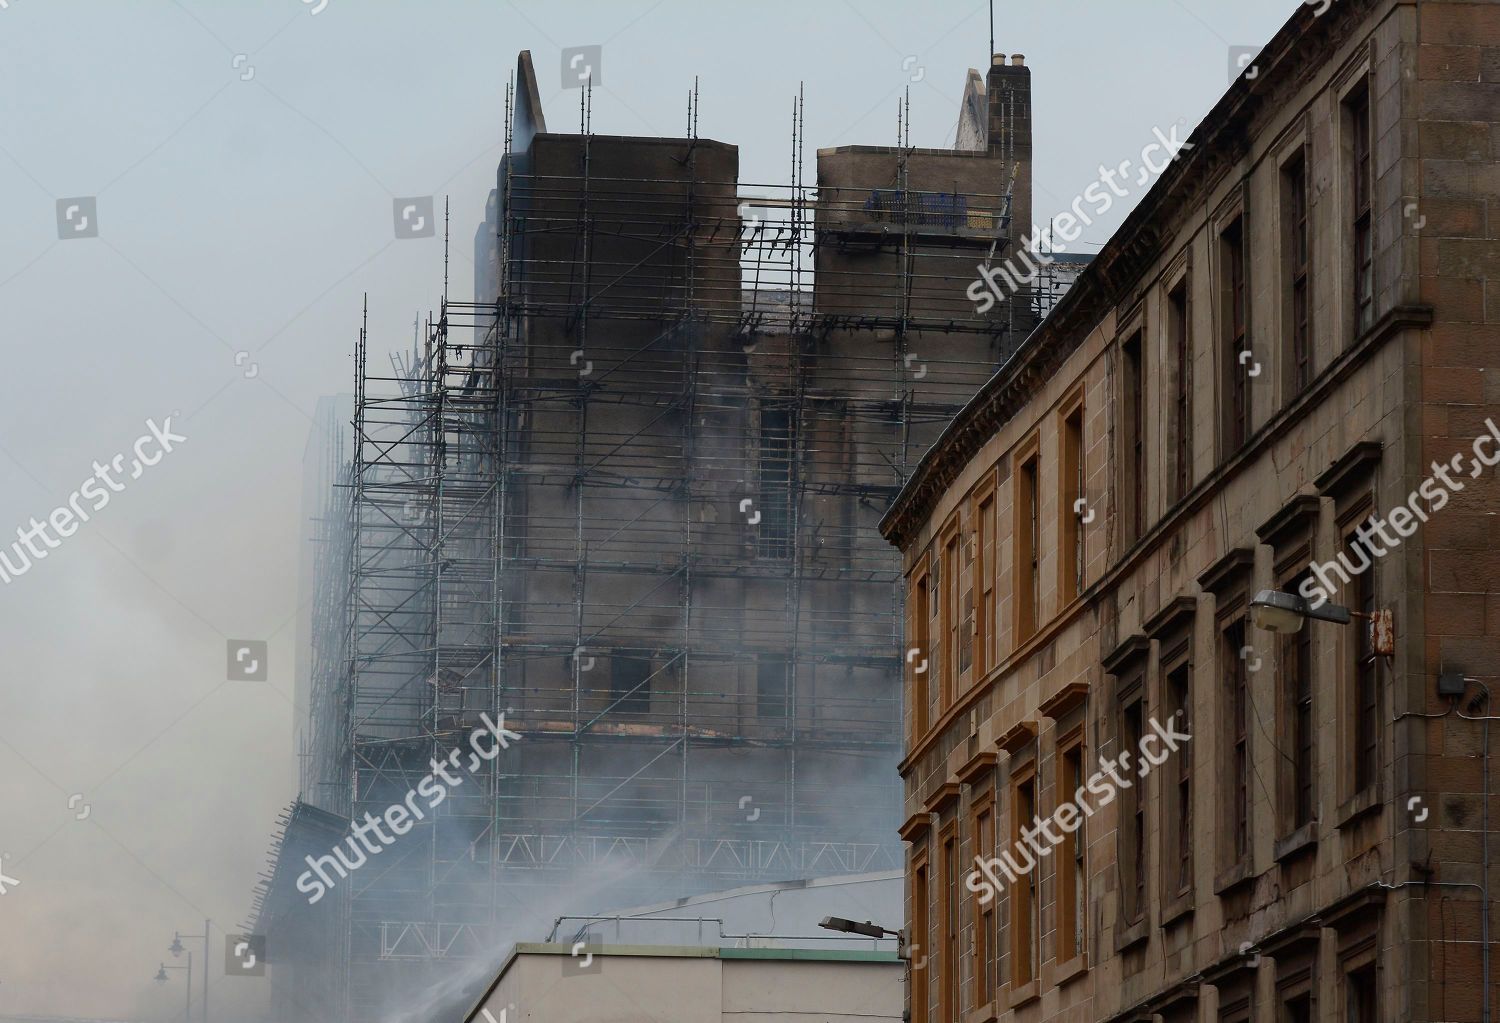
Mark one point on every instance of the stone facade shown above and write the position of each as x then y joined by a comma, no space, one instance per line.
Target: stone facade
1293,331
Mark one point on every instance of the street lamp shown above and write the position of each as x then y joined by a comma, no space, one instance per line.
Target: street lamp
1283,613
869,930
1276,611
176,948
866,929
161,978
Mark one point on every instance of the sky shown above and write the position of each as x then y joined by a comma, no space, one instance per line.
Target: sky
195,197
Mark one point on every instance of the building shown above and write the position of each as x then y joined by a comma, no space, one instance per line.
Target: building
629,499
693,984
752,952
1291,333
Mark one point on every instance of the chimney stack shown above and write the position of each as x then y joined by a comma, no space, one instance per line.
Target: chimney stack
1009,135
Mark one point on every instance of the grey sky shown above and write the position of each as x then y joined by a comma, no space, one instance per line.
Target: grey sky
245,206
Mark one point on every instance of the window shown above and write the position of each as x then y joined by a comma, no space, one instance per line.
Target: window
1233,297
1366,678
1133,815
1295,954
952,579
986,570
1025,903
775,504
966,626
1124,718
1231,580
1182,390
938,665
985,928
1291,532
948,961
1237,706
1297,704
1363,226
771,686
1071,475
1236,1000
1298,277
1297,1010
921,892
1133,439
630,684
1180,771
1072,902
918,655
1028,549
1360,996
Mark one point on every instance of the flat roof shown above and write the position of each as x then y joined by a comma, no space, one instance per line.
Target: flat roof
963,154
824,955
635,140
549,948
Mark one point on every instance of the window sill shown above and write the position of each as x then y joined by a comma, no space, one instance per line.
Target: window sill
1233,879
1128,936
1303,840
1027,993
1180,908
1367,801
986,1013
1058,974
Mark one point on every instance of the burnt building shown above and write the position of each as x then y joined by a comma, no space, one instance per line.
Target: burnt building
628,498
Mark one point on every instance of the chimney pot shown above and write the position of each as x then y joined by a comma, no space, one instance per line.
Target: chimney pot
997,60
1018,60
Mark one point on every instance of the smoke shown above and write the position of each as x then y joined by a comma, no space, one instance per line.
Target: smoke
449,996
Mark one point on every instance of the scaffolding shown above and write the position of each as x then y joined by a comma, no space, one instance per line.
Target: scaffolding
632,504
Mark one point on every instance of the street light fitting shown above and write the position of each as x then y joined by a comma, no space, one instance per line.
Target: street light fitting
1281,612
867,929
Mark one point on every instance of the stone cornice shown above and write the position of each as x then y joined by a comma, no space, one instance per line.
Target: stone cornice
1173,614
1236,566
1126,654
1350,469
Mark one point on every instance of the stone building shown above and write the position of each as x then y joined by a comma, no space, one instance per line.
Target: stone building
1290,334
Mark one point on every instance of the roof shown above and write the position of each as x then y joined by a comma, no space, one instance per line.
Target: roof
1216,141
677,141
817,955
962,154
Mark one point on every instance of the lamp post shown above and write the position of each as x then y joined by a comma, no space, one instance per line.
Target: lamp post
176,949
161,978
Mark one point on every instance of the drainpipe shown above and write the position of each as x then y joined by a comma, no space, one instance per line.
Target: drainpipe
1484,854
